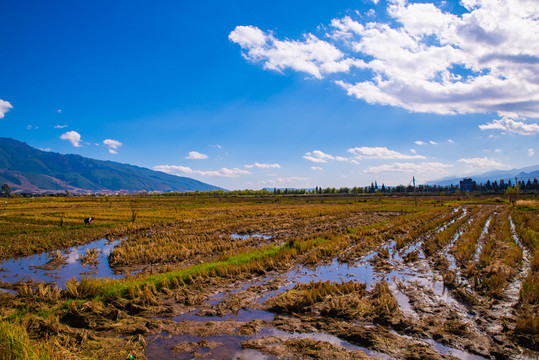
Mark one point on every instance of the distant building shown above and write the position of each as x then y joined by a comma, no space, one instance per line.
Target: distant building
466,185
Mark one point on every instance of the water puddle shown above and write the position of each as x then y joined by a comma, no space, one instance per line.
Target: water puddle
8,291
51,268
445,350
179,347
365,271
241,315
482,238
247,236
165,346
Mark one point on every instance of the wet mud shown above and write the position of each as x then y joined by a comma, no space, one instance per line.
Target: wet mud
390,299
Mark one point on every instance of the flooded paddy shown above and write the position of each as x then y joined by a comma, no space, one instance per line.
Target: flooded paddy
340,280
59,266
166,346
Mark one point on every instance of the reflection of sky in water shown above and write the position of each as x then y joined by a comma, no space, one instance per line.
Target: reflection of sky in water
230,345
241,315
444,350
247,236
22,269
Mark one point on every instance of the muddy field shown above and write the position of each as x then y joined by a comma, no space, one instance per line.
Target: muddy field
272,278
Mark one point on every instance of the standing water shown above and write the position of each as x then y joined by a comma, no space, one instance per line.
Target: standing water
51,268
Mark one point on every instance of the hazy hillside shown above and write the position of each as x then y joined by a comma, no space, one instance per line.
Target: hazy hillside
523,174
25,168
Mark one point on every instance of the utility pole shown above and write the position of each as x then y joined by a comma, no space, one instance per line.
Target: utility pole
415,193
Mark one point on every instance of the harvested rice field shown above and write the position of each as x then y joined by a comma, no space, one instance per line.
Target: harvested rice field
273,277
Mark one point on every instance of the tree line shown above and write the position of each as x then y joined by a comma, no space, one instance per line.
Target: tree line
496,187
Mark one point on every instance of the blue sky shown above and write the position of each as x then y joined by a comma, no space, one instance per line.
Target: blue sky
248,94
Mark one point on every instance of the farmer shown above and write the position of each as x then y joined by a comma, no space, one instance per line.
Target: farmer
88,220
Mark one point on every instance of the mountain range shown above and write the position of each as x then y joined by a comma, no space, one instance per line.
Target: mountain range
522,174
26,169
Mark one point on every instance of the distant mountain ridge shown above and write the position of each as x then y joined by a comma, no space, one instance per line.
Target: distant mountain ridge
26,169
522,174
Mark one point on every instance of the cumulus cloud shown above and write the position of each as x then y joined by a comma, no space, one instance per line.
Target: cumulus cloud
263,166
182,170
419,142
511,126
365,152
73,137
531,152
316,168
195,155
312,55
427,168
421,58
4,107
112,145
483,162
318,156
321,157
60,126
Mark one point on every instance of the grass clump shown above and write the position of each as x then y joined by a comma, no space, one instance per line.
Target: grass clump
15,344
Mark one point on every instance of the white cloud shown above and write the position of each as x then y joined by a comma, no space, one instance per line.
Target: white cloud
419,142
450,141
380,153
46,149
195,155
413,151
427,169
263,166
313,56
182,170
248,36
174,169
511,126
483,162
59,111
60,126
316,168
112,145
73,137
4,107
421,58
293,180
531,152
318,156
